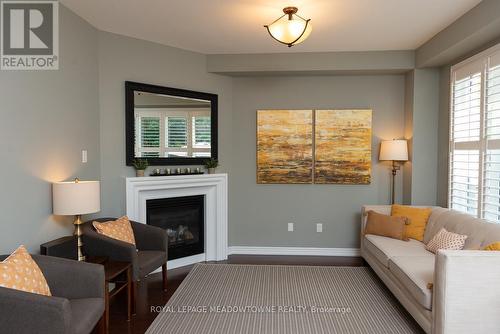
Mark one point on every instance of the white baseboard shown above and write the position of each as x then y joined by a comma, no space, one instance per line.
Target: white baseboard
182,262
248,250
311,251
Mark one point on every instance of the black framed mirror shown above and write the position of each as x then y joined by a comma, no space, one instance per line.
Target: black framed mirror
169,126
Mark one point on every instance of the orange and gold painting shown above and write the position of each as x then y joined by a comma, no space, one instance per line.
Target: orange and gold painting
343,146
284,146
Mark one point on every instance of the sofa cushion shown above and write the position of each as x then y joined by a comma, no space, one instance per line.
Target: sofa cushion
480,233
415,273
434,225
85,313
386,248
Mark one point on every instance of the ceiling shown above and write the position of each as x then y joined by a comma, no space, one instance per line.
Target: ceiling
236,26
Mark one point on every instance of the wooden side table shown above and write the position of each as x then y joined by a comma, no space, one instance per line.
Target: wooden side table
119,273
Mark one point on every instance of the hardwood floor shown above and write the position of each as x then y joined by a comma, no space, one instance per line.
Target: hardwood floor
149,291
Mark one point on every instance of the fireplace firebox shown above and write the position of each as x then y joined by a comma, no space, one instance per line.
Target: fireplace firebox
183,218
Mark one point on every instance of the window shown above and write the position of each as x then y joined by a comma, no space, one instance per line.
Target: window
173,133
474,159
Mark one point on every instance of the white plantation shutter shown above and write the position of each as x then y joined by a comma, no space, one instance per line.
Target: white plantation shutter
176,131
176,141
465,132
148,130
201,131
474,185
464,180
491,183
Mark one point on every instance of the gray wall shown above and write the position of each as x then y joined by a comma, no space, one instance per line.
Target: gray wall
443,136
408,135
425,136
259,213
123,58
48,117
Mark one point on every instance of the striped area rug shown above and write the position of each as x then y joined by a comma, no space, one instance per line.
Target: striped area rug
226,298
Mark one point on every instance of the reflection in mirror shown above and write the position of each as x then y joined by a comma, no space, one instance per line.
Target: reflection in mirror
171,126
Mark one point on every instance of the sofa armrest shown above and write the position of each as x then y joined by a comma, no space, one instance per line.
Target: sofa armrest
23,312
149,237
466,292
72,279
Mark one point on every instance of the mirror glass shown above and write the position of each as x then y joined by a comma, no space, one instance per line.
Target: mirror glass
171,126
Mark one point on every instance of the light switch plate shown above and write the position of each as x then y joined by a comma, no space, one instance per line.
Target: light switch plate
319,228
290,227
84,156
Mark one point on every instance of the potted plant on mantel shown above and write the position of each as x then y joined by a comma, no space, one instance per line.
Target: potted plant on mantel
211,164
140,166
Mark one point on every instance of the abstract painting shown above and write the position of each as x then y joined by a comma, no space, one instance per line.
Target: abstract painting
343,146
284,146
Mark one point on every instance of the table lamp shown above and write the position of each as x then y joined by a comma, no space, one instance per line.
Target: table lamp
395,150
76,198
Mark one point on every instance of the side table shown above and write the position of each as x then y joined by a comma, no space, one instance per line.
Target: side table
119,273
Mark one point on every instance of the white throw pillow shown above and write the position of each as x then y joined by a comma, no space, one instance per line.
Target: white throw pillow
446,240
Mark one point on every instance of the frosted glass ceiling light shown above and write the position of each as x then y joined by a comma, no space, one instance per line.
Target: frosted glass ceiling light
290,29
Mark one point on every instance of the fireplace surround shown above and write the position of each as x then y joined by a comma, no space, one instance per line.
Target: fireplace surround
213,187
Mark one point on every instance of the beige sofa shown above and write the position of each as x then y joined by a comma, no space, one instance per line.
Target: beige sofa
465,297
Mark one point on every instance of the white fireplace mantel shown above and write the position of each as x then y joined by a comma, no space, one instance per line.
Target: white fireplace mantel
212,186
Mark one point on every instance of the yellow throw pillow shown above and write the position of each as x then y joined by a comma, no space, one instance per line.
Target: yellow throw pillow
119,229
417,217
493,247
20,272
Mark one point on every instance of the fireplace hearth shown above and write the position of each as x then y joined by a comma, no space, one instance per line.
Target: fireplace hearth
183,218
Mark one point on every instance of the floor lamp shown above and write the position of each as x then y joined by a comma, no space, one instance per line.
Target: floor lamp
76,198
395,150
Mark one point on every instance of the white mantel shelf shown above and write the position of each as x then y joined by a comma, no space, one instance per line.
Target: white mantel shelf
212,186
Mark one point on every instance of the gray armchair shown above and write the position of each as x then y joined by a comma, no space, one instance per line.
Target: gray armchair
75,307
149,254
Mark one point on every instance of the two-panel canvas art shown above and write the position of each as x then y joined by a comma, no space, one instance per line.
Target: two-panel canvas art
314,146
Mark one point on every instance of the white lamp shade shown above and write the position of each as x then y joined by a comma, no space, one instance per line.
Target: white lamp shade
76,198
396,150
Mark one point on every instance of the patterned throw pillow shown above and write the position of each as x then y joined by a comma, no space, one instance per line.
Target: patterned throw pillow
446,240
119,229
20,272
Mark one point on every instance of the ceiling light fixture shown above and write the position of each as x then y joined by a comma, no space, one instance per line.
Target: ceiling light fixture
290,29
